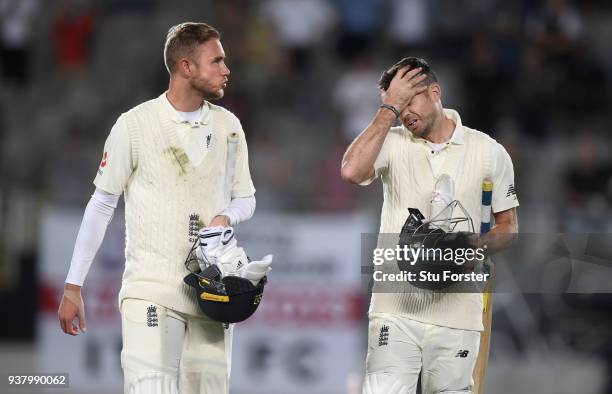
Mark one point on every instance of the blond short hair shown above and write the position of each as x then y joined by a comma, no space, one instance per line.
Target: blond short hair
183,39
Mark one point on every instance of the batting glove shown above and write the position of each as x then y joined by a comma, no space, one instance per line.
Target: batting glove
230,259
256,270
212,241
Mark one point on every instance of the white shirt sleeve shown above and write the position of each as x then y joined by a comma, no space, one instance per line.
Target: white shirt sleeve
243,184
117,162
240,209
97,216
504,192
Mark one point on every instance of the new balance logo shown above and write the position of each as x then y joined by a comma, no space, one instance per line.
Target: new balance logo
511,191
152,316
383,337
462,353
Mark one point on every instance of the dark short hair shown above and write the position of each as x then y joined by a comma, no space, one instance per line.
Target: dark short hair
412,62
183,39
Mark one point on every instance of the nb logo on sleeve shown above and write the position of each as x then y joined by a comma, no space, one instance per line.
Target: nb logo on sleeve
511,191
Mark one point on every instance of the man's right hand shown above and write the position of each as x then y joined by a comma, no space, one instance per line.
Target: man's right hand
403,87
358,161
72,306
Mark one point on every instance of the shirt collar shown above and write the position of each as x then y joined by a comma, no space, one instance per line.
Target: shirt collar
458,136
177,118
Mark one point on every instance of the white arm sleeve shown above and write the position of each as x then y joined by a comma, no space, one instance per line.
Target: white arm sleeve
97,216
240,209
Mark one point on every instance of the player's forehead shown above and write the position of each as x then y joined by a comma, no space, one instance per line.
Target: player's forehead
211,49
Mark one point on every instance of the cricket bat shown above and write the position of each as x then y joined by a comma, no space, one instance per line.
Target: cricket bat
480,368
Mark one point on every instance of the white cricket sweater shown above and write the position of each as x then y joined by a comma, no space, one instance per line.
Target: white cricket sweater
167,199
409,167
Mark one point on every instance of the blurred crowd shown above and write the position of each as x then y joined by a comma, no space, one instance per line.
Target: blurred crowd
533,74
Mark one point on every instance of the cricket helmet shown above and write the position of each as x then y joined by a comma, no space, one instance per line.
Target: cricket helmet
226,299
437,241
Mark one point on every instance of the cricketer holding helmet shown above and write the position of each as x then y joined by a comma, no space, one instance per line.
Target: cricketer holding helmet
418,331
168,157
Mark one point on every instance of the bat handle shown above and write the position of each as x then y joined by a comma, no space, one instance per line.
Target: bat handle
487,197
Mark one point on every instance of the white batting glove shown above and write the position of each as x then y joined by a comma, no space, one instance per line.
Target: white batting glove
211,240
256,270
230,259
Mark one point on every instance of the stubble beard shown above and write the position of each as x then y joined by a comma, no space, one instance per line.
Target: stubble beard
426,130
428,126
206,91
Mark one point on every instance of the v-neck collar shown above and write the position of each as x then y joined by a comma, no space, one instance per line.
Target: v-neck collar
176,117
176,147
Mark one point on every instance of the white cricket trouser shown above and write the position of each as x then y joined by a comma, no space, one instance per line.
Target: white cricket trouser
166,352
400,348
